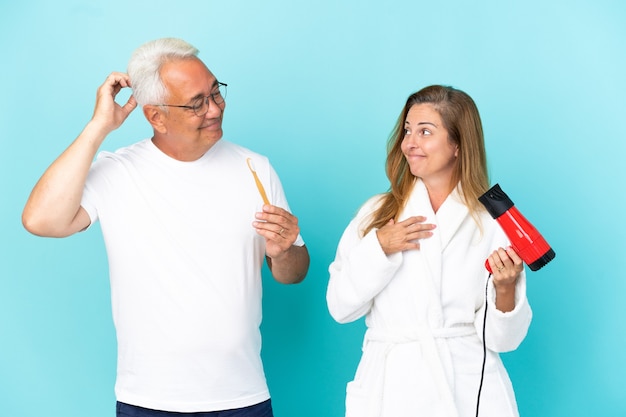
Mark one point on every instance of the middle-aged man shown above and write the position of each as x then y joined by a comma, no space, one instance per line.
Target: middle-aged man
186,231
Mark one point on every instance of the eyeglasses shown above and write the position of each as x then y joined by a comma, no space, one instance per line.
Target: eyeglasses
200,105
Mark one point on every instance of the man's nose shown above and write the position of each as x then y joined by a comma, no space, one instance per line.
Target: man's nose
214,109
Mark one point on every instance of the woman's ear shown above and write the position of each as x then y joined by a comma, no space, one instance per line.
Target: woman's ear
156,117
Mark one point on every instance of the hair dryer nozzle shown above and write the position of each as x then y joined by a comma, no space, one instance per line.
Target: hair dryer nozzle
525,239
542,260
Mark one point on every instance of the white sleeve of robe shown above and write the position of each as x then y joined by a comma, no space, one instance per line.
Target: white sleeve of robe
505,331
349,296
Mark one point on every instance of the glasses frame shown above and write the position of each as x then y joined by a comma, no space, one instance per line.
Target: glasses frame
205,99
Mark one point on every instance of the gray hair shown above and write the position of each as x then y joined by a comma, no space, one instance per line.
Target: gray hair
144,67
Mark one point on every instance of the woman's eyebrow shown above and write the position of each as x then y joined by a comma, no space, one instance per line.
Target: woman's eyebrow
406,122
427,123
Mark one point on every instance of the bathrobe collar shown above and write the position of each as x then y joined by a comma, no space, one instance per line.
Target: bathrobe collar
448,219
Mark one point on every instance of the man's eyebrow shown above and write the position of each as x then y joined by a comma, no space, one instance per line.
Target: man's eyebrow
201,95
196,97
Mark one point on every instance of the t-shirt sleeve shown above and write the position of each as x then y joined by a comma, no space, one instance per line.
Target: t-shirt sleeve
96,183
279,199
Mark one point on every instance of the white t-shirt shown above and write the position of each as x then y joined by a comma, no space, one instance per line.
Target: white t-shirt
185,269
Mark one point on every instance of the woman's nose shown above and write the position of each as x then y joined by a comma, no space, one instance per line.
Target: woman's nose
411,140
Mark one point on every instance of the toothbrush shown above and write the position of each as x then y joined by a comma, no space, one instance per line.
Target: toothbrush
257,181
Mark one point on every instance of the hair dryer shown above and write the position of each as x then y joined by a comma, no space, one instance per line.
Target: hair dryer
525,239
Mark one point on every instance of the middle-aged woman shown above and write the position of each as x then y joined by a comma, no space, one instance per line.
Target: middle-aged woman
412,262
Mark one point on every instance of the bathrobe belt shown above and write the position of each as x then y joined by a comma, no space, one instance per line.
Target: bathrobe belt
427,338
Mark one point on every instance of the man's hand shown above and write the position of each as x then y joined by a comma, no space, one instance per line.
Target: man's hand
108,114
279,228
288,263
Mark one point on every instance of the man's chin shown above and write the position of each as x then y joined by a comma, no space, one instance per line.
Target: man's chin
213,135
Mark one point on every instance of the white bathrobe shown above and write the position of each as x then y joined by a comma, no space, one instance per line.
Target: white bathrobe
423,352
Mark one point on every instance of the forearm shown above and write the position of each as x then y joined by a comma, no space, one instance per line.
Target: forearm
505,297
54,203
291,266
506,330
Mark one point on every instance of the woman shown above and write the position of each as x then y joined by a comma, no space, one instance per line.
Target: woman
412,262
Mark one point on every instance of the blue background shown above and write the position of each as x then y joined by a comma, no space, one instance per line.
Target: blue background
317,87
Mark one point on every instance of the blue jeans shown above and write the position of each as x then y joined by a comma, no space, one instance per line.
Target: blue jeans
263,409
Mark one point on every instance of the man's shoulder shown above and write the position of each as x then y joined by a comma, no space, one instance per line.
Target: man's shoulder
239,151
137,148
229,146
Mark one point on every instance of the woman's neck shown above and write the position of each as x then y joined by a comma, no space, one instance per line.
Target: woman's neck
437,193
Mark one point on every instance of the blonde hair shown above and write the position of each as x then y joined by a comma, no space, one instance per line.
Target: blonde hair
462,121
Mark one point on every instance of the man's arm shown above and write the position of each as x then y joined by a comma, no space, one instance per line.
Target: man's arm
289,263
291,267
53,208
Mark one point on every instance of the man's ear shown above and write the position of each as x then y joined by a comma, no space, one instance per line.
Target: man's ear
155,116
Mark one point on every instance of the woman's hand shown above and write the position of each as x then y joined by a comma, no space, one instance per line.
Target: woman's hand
405,235
507,267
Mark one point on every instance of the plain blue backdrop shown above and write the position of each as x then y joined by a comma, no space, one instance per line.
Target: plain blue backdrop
317,87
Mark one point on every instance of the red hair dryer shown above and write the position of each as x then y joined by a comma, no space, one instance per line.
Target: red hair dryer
525,239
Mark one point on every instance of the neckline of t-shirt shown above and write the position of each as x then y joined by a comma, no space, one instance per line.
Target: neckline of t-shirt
172,161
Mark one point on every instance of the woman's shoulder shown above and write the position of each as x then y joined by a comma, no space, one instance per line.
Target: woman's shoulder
371,205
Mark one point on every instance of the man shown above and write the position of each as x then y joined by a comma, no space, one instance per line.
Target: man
186,231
